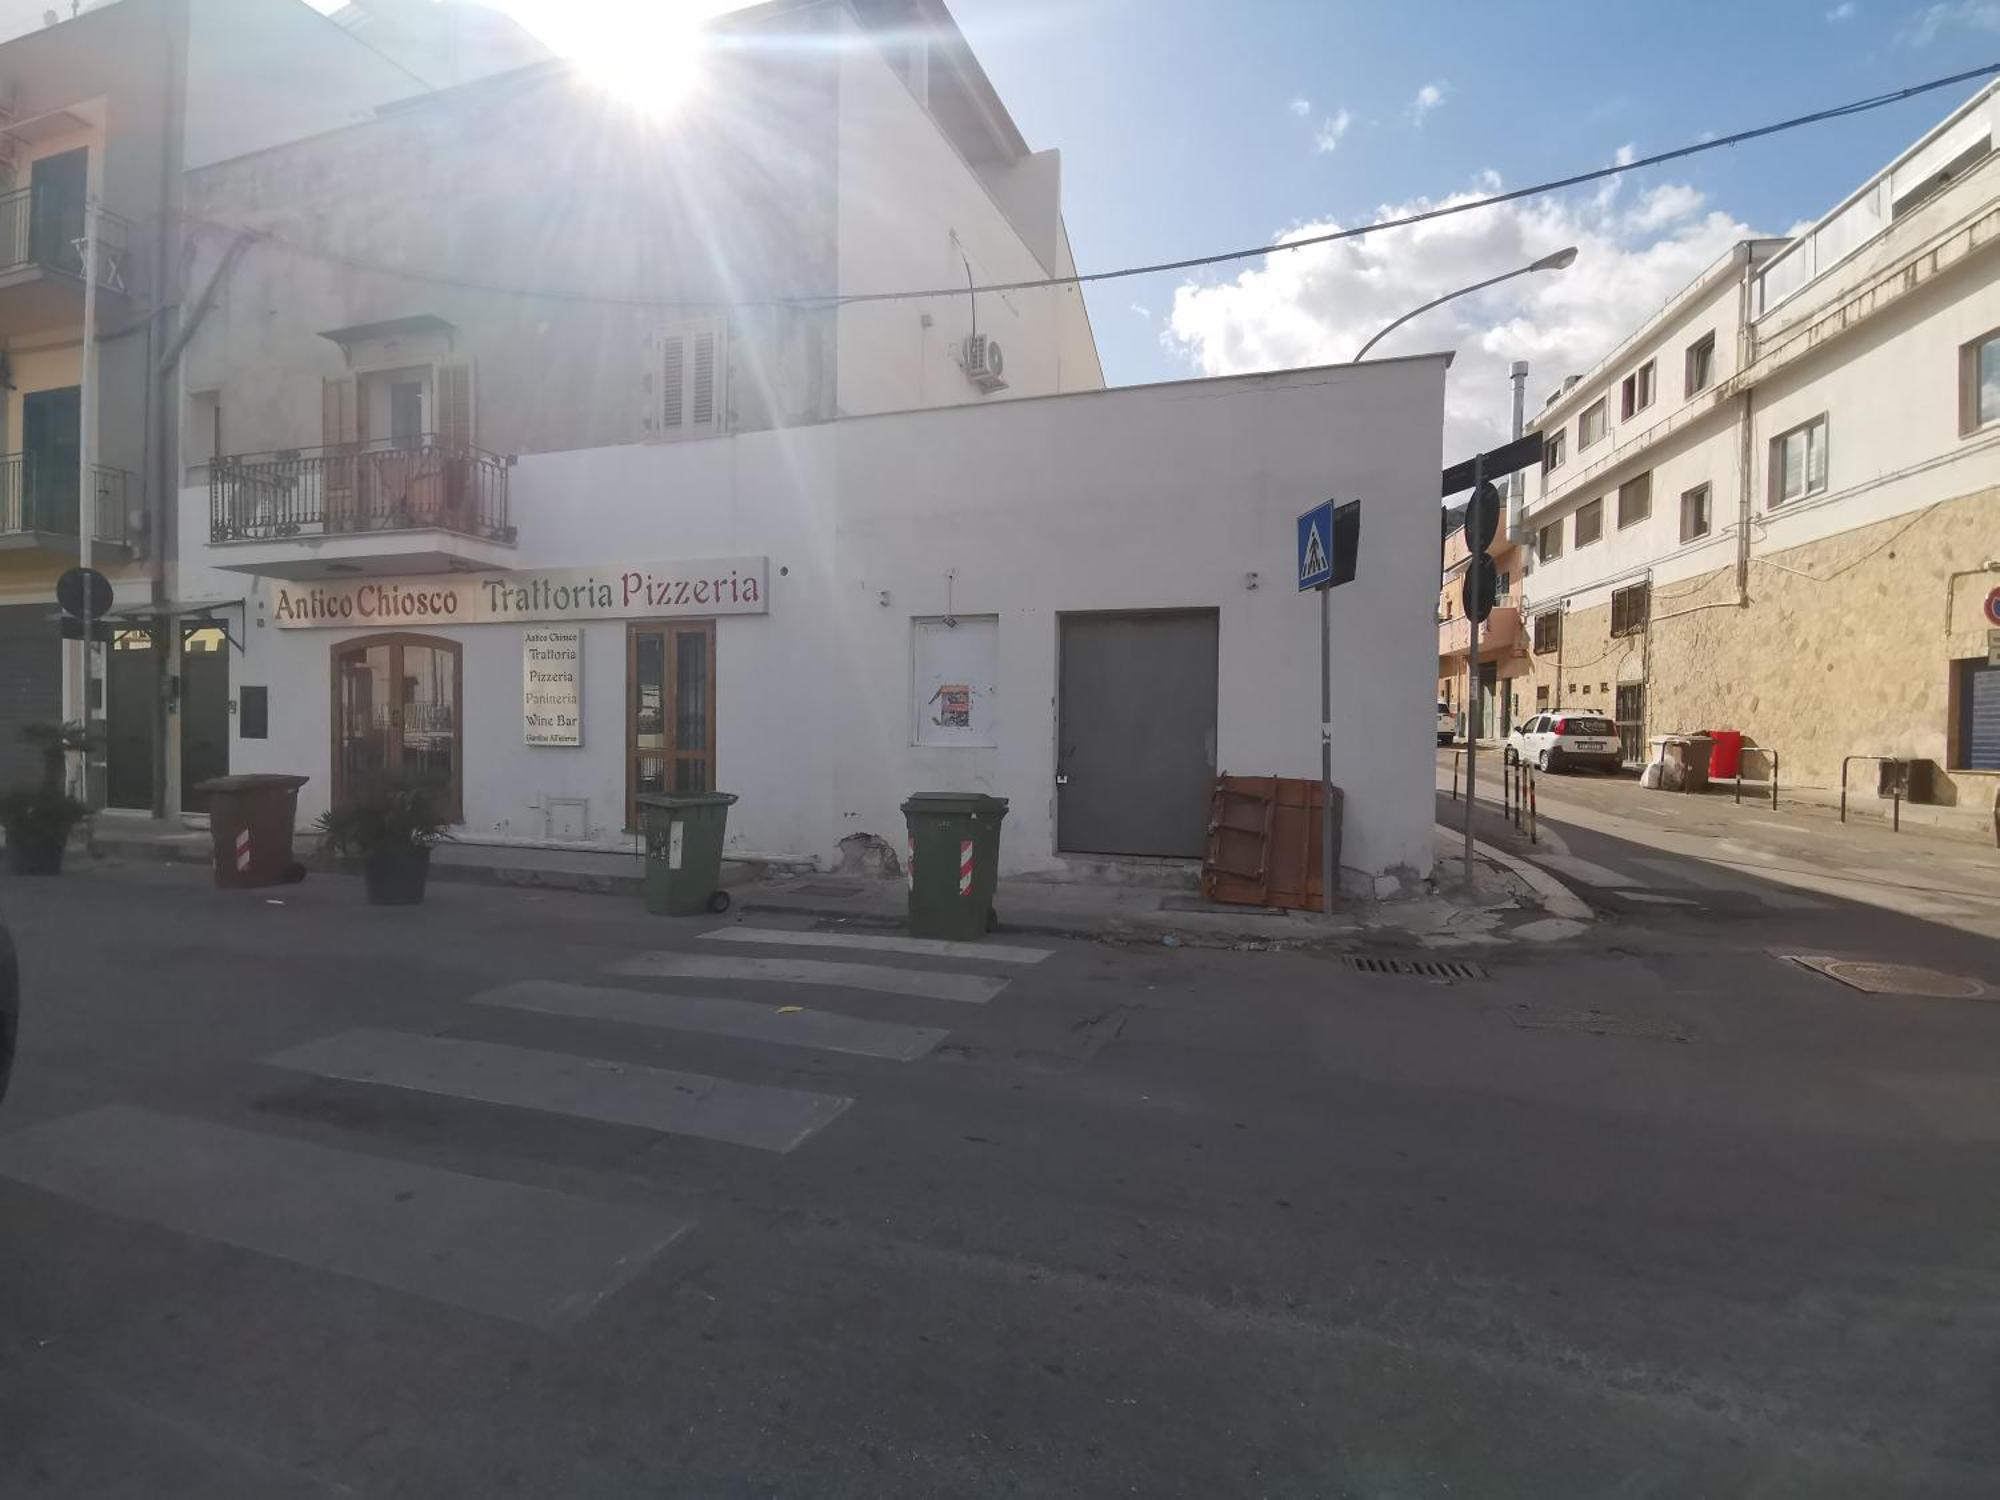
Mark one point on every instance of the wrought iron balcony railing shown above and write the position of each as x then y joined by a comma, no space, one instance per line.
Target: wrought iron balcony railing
414,484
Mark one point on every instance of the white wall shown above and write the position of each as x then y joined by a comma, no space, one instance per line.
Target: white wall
910,207
264,71
1144,498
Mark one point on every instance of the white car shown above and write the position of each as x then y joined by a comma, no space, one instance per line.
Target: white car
1447,723
1565,738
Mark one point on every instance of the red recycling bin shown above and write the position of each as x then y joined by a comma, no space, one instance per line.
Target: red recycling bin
1725,760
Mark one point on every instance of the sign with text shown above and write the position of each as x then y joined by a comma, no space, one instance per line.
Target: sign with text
552,686
642,591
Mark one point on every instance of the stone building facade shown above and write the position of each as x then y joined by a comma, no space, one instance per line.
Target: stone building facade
1776,506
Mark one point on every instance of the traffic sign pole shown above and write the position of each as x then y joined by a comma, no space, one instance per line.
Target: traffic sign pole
1326,748
1472,704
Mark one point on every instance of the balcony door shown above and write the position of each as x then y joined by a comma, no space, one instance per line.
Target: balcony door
669,709
57,185
396,709
51,458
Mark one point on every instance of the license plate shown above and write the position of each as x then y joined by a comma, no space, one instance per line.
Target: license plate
1591,745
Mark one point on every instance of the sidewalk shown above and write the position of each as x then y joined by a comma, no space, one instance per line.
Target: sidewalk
1508,902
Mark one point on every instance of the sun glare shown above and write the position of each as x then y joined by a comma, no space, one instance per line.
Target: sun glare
644,53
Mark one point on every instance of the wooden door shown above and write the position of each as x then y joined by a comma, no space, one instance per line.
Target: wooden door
669,709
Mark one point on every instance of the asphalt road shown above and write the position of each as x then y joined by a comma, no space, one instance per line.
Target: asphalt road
527,1194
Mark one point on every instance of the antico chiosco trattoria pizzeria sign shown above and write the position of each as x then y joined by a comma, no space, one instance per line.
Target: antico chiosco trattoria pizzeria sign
712,586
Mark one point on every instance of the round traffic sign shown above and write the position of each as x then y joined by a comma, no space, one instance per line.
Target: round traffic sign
84,591
1482,517
1993,607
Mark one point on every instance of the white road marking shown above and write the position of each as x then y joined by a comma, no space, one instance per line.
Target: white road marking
1588,873
929,984
500,1248
589,1088
788,1026
878,942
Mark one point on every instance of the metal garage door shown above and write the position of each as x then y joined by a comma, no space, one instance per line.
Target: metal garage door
30,685
1979,727
1136,733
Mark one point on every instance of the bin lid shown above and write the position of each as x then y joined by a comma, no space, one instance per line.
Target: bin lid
685,799
954,802
251,781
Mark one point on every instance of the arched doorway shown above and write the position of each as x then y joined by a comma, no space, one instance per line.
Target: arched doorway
396,708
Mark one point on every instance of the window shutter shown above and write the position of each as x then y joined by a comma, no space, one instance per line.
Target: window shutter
340,431
692,368
702,400
673,382
455,413
339,412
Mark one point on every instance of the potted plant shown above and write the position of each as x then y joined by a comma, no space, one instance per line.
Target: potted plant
39,819
391,829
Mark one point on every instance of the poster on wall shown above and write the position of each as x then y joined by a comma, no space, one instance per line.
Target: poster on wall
957,673
552,685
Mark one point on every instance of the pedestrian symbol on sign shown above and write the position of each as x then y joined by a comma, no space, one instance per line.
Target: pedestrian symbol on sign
1314,562
1315,547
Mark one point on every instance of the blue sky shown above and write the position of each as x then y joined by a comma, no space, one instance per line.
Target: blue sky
1180,134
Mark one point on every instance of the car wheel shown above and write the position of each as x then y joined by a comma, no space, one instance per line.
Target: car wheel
1542,759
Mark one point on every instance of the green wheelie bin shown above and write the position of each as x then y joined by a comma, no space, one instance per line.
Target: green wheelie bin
684,851
954,862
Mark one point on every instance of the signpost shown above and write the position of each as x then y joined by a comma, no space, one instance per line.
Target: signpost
1329,537
1482,521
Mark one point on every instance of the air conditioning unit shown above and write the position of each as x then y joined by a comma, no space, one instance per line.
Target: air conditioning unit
984,363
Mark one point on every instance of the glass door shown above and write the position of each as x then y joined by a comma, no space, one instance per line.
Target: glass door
396,709
670,710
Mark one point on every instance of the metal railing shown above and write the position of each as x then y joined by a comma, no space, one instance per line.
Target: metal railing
1517,792
419,483
1770,759
40,226
40,493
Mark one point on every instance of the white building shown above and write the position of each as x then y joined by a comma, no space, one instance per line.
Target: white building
1774,506
531,450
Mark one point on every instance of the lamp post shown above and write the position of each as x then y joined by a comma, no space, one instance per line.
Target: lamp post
1560,261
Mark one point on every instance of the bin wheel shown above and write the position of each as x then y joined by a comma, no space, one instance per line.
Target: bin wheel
294,873
719,902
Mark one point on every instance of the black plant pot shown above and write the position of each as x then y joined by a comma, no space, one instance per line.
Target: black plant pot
395,876
35,851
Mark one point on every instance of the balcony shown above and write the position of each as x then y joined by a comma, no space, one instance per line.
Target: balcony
395,507
1500,636
41,267
39,503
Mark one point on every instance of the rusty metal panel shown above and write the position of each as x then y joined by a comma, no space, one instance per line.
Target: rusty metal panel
1264,842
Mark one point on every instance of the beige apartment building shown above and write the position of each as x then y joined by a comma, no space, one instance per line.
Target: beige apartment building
1776,506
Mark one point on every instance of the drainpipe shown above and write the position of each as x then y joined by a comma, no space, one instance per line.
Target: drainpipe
163,436
1746,355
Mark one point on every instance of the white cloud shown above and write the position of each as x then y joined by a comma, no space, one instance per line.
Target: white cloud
1327,137
1300,108
1142,310
1960,15
1428,98
1318,305
1841,12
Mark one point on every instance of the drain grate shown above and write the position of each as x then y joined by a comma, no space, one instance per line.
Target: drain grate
1452,970
1893,979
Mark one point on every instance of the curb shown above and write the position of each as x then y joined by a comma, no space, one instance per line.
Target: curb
1558,898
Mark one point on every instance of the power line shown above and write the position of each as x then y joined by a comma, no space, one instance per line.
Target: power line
1190,263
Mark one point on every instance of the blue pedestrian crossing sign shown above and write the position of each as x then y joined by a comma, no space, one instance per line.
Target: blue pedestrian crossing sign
1316,547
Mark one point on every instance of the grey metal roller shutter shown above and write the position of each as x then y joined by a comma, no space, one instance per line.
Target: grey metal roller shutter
30,685
1981,706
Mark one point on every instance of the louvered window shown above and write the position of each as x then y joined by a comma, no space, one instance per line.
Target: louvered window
689,379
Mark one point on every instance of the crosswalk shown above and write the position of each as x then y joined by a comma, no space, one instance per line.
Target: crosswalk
1681,882
484,1243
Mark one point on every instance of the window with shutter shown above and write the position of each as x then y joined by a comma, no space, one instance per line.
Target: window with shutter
691,370
456,416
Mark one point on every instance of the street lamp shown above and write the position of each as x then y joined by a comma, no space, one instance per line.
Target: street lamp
1560,261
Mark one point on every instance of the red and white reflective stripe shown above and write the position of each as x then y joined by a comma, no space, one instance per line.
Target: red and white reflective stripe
911,868
243,849
965,867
